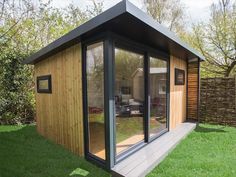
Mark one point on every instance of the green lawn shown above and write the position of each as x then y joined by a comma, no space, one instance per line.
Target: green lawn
23,153
210,151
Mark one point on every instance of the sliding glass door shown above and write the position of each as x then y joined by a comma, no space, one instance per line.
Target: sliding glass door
126,93
129,99
158,96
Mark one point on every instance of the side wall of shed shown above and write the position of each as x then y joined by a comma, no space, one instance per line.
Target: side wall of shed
59,114
177,93
193,81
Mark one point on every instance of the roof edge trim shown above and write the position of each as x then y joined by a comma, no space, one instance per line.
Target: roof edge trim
120,8
136,12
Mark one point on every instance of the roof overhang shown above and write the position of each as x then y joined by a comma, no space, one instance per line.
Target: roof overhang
129,21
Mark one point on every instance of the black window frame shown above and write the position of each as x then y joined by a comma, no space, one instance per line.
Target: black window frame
89,156
112,40
130,46
167,59
177,72
44,77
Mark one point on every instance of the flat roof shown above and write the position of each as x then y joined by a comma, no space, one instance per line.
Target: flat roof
129,21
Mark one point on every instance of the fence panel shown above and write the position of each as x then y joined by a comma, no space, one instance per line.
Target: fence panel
218,100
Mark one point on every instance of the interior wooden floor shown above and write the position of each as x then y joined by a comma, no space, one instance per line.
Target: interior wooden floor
97,138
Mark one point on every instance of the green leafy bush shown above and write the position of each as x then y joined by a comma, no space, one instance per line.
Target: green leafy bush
16,89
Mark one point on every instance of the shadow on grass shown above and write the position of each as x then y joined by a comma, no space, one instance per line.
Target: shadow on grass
203,129
25,153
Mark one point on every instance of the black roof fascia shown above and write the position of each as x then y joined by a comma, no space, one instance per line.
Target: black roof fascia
122,7
135,11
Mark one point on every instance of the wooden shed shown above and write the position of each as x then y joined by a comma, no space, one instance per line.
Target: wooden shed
114,84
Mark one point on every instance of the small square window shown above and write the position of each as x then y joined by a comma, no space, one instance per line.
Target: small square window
44,84
179,77
125,90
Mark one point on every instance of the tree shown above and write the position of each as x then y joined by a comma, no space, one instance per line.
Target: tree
11,15
25,27
95,9
216,39
74,16
170,13
16,90
30,25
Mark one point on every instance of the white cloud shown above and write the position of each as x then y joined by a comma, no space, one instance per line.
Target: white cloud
198,3
198,9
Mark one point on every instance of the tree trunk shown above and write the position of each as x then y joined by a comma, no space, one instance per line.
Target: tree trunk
230,68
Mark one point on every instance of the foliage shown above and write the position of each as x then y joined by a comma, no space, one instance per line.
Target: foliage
170,13
16,90
216,38
25,27
127,63
23,152
208,151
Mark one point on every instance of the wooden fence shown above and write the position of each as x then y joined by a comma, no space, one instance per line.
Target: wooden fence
218,100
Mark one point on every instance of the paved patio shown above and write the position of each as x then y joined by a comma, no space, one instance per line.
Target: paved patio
147,158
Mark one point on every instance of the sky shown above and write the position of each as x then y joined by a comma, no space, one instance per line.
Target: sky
196,9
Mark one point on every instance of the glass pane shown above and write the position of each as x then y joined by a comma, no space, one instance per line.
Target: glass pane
43,84
95,94
158,95
129,98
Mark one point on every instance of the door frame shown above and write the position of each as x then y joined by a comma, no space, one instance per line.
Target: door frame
147,51
110,40
167,94
89,156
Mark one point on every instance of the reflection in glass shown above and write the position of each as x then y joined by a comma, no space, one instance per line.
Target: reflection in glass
43,84
158,95
95,99
129,99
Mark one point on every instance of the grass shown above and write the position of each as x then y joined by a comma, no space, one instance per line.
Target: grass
210,151
24,153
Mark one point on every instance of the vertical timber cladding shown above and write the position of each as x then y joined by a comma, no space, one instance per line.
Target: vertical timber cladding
177,93
192,90
59,114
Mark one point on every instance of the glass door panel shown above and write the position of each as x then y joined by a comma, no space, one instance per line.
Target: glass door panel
95,99
158,96
129,99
